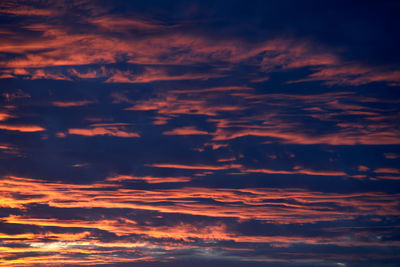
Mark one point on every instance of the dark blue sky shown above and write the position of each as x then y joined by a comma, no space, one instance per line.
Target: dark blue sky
176,133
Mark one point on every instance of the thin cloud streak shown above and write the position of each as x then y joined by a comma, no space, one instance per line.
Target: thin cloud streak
22,128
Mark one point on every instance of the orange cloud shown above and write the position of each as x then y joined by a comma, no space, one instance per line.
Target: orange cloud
387,170
153,74
64,104
149,179
391,156
22,128
172,105
281,206
375,126
119,233
351,74
4,116
9,149
119,24
272,205
195,167
79,165
117,130
55,45
389,177
296,171
188,130
340,138
211,90
362,168
88,75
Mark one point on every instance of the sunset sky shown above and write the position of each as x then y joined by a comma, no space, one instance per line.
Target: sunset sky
200,133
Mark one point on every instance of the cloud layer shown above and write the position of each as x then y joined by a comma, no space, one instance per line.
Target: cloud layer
146,134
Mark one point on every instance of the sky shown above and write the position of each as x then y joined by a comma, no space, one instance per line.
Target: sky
199,133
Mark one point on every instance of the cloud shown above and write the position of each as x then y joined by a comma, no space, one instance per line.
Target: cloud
149,179
65,104
391,156
10,149
346,137
187,130
22,128
296,171
250,202
389,177
130,236
110,129
4,116
18,9
15,94
212,89
270,118
252,142
363,168
88,75
52,45
387,170
153,75
270,205
353,75
195,167
171,104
